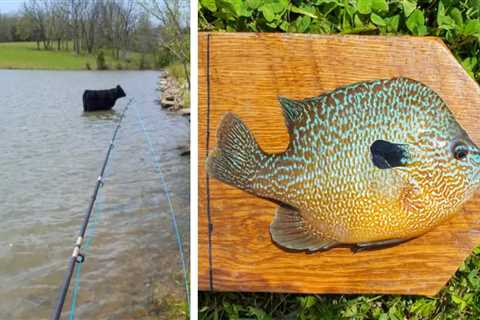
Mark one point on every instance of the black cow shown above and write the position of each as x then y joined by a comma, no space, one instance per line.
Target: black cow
95,100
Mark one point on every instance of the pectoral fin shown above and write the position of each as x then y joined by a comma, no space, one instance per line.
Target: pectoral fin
288,230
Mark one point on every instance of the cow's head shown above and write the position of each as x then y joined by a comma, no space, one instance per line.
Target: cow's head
120,92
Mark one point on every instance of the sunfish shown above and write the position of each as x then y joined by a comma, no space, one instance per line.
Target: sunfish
372,163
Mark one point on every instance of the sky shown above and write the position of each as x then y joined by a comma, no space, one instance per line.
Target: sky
10,6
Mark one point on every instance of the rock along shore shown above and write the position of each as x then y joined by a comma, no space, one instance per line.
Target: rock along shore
171,94
171,99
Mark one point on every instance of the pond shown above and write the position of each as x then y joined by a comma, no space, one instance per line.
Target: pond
51,155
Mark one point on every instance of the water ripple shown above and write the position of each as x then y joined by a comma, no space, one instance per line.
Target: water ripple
50,155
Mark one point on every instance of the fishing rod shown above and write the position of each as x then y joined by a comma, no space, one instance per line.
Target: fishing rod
76,256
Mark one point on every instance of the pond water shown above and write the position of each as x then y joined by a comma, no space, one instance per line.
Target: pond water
51,155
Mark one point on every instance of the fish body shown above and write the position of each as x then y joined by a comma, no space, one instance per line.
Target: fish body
367,163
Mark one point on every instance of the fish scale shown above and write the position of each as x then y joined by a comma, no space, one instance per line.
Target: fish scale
366,163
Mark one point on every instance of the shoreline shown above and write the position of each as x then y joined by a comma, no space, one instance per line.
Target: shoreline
171,97
171,100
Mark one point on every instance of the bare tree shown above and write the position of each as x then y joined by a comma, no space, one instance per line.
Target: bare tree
174,30
96,24
8,27
89,23
75,9
33,24
128,19
118,20
56,22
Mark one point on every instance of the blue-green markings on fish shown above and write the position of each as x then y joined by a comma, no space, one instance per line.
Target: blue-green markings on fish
370,163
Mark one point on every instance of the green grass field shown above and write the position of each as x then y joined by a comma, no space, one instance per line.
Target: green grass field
24,55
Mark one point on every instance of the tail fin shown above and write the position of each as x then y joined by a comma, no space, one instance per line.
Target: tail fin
236,158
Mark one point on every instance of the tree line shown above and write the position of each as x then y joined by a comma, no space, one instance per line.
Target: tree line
157,27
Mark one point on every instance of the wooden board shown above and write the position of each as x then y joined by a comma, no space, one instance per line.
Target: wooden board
245,73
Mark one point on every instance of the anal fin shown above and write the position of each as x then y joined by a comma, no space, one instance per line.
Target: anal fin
381,244
288,230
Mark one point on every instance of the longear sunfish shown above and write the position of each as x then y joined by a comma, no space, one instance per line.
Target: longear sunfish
368,164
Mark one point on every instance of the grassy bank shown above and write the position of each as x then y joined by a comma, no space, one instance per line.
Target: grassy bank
24,55
177,72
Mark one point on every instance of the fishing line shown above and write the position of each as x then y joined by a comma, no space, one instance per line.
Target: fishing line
158,170
88,240
207,178
76,256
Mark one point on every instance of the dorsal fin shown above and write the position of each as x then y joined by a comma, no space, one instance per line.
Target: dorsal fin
292,111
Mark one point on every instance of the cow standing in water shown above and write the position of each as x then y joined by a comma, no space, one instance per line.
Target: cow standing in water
95,100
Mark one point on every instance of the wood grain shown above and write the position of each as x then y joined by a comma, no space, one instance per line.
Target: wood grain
247,73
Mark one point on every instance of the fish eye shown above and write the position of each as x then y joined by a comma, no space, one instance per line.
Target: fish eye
460,151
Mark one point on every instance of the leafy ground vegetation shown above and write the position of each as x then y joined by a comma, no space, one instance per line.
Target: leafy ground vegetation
458,24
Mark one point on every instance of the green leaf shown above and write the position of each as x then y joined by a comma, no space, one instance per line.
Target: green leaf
378,20
416,23
441,9
383,316
209,4
357,21
273,24
337,2
351,311
472,28
240,8
254,4
259,314
346,25
305,11
424,307
302,23
444,22
473,275
476,5
456,15
308,302
364,6
379,5
252,26
268,12
459,301
284,26
469,64
349,9
392,23
408,7
422,30
395,314
279,5
232,310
